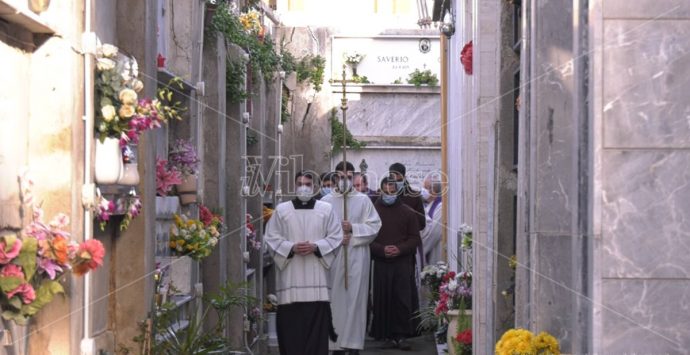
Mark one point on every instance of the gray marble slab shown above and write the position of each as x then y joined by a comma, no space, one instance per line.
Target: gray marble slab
376,114
646,316
646,214
647,66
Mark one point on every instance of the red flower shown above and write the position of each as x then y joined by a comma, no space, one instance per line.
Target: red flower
89,257
449,276
466,58
464,337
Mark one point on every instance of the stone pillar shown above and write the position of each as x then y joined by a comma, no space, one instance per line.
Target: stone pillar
133,256
552,174
640,201
213,155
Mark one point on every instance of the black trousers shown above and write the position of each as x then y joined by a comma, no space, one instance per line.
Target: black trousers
303,328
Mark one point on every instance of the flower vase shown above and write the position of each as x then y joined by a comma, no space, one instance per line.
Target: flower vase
354,69
454,317
187,190
272,329
130,172
108,165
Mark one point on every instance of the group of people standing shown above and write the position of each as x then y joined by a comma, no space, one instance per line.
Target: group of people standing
325,250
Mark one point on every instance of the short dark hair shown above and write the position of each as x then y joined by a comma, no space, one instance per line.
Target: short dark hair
397,168
386,180
349,166
327,176
306,173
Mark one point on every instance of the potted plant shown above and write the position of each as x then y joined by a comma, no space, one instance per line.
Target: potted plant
184,159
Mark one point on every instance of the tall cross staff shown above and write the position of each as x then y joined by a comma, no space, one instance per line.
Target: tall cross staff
343,107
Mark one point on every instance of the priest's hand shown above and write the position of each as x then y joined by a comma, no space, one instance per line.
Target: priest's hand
304,248
346,238
347,227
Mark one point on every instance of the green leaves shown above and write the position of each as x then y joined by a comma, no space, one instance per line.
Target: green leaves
337,133
311,68
44,295
27,257
419,78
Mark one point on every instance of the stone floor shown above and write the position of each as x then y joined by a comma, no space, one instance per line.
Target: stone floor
423,345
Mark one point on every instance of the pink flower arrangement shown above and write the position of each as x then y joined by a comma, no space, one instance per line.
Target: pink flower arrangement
166,177
455,292
32,262
130,206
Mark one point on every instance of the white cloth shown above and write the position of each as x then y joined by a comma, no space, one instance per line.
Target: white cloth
349,307
431,235
303,278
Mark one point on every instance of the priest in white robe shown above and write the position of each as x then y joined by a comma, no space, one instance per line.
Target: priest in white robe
349,306
302,237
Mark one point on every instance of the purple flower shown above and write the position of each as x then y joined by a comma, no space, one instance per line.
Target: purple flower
49,267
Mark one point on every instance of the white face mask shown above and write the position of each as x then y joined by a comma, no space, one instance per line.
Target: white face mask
344,185
304,193
425,194
325,191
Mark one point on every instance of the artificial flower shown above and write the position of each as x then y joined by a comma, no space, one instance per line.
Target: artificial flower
10,246
138,85
128,96
107,50
88,257
105,64
25,291
108,112
126,111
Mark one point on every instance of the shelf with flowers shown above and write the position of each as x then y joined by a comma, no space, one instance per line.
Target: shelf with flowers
34,261
122,116
183,158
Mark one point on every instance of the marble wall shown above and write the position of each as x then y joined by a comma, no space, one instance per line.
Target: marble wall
642,169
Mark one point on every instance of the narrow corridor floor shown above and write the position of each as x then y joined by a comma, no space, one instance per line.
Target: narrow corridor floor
422,345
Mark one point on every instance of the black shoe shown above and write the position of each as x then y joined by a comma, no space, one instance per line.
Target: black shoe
403,344
389,344
353,352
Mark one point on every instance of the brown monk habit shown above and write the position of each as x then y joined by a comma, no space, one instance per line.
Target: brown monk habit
394,294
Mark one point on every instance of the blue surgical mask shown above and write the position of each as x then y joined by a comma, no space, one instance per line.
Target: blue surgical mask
399,185
388,199
325,191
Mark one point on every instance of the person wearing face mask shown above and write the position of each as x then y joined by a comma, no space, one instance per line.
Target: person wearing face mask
302,237
413,200
393,253
361,184
431,234
326,185
349,306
